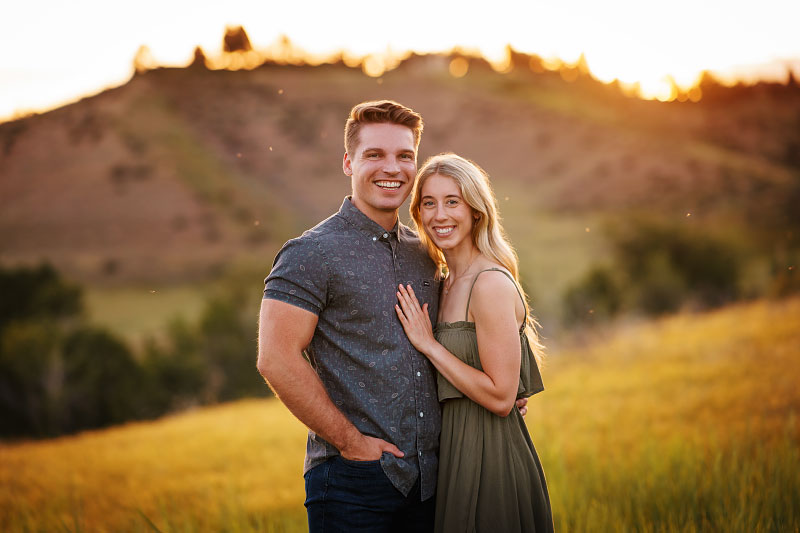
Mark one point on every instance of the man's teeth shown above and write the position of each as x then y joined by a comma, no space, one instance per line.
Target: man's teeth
388,184
444,231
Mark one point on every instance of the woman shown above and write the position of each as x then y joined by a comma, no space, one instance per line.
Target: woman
485,350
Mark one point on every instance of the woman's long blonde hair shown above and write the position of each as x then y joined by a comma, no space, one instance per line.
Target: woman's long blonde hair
488,235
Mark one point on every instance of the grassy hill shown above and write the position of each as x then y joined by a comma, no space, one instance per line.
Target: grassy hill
684,424
171,178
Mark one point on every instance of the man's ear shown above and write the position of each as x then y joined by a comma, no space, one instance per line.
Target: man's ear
347,166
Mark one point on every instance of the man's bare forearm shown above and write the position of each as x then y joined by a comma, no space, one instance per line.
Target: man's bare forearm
300,389
284,331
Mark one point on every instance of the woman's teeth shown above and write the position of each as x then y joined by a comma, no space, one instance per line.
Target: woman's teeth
444,231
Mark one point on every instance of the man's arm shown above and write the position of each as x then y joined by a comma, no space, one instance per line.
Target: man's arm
284,332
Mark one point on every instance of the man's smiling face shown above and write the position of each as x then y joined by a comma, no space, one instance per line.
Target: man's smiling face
382,167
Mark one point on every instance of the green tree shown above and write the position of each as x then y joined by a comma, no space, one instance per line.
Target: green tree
29,380
228,343
37,293
177,373
668,264
597,296
102,381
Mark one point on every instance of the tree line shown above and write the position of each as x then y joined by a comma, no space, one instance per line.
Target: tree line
657,267
60,374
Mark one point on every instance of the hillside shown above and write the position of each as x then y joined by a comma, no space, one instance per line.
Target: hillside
685,424
180,172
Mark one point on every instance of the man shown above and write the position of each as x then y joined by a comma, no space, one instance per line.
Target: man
368,397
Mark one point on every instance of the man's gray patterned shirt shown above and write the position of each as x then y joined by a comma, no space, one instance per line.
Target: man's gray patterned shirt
346,271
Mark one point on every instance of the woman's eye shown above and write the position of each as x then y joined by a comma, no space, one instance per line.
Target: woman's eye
452,202
427,204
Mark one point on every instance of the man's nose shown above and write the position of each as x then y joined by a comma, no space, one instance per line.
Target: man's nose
390,166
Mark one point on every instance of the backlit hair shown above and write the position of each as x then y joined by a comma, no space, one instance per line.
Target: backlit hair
488,235
377,112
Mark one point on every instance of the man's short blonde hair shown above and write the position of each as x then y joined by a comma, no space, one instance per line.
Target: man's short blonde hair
377,112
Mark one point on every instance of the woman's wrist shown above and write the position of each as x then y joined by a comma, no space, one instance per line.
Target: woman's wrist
431,349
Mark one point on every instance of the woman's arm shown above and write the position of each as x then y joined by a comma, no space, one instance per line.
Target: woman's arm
493,308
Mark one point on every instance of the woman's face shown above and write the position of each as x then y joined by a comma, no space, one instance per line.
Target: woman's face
446,217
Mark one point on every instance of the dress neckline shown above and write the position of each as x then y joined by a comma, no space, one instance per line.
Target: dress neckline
456,324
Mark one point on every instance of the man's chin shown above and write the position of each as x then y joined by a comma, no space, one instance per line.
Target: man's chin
391,206
391,202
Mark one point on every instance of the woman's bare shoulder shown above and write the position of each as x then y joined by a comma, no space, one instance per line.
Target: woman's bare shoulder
494,292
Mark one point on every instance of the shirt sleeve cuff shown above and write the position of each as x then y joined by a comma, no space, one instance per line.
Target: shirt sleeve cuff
272,294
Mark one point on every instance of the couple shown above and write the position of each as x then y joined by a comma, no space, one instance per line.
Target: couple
358,294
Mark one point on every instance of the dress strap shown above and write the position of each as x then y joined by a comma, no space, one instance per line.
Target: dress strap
469,297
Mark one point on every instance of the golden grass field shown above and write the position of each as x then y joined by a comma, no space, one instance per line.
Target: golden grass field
684,424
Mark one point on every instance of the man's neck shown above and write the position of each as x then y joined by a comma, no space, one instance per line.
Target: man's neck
385,219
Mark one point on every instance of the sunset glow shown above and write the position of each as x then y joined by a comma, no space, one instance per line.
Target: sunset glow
54,52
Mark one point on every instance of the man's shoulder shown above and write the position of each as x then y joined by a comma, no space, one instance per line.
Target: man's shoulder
329,229
309,251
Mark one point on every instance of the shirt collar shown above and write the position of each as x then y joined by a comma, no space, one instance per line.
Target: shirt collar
365,224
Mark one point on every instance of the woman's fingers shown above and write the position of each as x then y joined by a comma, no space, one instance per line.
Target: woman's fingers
410,305
414,315
405,306
413,295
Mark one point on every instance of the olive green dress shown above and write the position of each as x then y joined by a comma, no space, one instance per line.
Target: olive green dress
490,478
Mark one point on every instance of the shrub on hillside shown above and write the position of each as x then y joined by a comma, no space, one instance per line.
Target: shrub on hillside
594,297
176,373
28,372
667,265
227,333
657,268
102,382
37,293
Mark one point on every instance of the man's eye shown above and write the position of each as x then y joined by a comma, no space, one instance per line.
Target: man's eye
406,157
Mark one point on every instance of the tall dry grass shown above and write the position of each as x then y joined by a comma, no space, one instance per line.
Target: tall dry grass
686,424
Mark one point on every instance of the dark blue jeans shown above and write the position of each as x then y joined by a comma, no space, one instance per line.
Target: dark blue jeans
343,495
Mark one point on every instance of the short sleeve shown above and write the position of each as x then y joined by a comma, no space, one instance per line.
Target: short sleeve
299,276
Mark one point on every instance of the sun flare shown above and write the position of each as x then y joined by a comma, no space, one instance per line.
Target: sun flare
656,50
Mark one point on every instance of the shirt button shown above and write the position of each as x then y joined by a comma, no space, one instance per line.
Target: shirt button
420,414
374,238
385,235
418,374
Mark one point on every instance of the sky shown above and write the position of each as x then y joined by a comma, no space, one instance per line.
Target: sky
53,52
